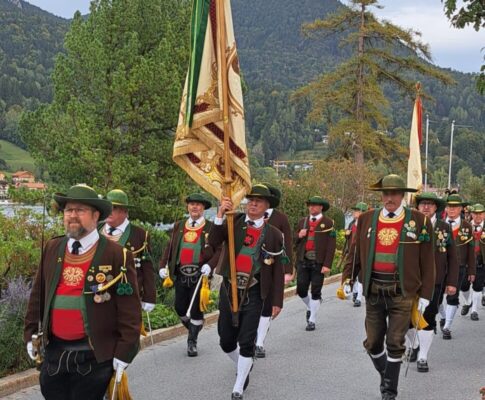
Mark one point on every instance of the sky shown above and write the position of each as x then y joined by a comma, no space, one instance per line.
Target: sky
458,49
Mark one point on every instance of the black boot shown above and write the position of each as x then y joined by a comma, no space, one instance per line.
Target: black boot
380,366
192,339
391,380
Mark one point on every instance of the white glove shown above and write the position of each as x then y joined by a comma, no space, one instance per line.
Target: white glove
31,352
163,273
148,307
422,304
205,270
119,366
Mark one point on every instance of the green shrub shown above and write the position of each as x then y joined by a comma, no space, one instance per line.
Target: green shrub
161,317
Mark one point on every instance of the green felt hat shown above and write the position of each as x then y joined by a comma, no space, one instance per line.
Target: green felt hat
263,191
477,208
319,201
275,192
440,203
85,195
118,198
391,182
198,198
455,200
361,206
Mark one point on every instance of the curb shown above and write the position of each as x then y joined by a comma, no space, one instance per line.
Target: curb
26,379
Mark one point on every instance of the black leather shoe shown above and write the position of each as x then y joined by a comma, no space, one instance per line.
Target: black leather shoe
357,303
310,326
422,366
474,316
483,301
446,334
236,396
308,313
388,396
260,352
354,297
414,355
465,309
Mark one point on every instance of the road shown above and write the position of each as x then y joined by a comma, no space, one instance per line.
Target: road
329,363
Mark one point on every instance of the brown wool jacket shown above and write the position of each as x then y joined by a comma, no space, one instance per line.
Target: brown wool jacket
325,241
209,254
138,242
113,327
280,220
446,262
416,265
465,247
272,276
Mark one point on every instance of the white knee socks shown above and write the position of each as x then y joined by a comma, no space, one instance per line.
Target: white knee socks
314,306
450,314
425,340
476,299
263,329
243,367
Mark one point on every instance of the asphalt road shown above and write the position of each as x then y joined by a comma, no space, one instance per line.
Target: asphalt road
329,363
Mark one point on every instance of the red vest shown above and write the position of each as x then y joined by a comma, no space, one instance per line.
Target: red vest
68,309
476,236
387,242
244,260
190,246
310,241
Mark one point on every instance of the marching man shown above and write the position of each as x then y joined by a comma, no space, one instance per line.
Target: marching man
188,257
316,243
478,215
260,274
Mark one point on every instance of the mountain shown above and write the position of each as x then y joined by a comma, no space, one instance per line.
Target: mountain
275,60
30,38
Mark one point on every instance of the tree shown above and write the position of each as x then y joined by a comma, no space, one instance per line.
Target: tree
472,13
117,92
351,97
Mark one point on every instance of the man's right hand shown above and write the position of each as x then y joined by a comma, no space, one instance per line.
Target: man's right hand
225,206
451,290
31,352
302,233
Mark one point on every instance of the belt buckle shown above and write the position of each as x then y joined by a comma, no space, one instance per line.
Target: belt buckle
189,270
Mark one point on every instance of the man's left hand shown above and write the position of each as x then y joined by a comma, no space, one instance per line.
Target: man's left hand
148,307
276,312
422,304
288,278
205,270
471,278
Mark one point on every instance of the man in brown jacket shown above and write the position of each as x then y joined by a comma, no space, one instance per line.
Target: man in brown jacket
477,222
260,274
84,304
119,229
394,253
463,237
187,258
315,249
446,280
279,220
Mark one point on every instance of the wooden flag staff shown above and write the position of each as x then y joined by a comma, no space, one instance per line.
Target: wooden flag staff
227,155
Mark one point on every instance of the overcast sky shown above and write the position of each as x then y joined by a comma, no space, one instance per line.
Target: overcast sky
454,48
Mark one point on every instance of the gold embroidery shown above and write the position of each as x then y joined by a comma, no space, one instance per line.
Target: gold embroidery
190,236
72,276
387,236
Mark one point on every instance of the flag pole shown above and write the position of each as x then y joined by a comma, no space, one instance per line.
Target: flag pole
227,154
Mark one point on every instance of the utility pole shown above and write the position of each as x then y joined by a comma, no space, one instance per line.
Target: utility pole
451,148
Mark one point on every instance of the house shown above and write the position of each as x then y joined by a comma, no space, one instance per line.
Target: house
3,189
33,185
23,177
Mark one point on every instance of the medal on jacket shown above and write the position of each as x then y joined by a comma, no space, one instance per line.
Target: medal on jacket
190,236
248,240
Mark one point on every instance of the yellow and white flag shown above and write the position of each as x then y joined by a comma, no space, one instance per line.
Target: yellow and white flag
199,142
415,174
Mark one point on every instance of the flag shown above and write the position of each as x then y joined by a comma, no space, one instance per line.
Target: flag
199,142
415,174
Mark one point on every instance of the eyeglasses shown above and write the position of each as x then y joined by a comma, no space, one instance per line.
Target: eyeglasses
78,211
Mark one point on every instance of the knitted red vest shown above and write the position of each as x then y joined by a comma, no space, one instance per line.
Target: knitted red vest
68,314
244,260
310,241
387,243
190,246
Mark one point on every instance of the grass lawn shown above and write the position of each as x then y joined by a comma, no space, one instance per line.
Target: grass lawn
15,157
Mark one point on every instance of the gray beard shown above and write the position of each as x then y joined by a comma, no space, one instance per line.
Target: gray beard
76,234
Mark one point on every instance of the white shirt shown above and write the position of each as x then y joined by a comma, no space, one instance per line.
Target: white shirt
269,211
397,213
119,230
433,219
319,216
456,222
480,225
87,242
198,222
258,223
